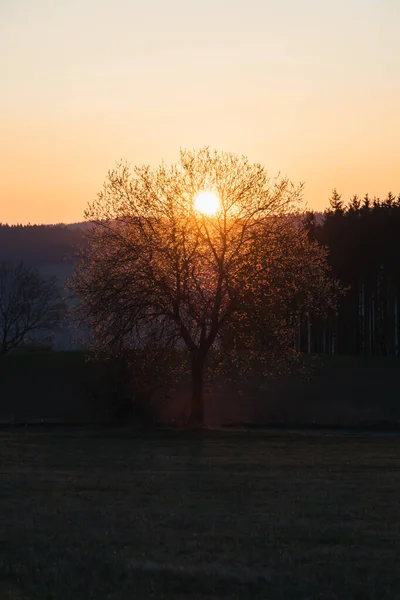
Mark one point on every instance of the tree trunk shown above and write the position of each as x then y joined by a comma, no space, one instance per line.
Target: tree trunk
197,412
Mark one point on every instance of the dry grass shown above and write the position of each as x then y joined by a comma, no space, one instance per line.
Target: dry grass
116,515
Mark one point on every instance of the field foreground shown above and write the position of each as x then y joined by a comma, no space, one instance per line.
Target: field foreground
228,515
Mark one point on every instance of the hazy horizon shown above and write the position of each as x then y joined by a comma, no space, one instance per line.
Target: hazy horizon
310,89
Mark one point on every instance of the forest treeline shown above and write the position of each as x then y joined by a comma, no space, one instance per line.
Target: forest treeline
362,237
363,240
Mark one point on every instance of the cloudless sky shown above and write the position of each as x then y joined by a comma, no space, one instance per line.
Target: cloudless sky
310,88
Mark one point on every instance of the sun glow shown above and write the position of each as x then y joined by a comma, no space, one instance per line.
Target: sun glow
207,203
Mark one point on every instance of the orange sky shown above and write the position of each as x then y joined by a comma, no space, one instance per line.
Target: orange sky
310,88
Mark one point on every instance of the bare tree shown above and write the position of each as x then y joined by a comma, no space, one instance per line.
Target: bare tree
28,304
161,270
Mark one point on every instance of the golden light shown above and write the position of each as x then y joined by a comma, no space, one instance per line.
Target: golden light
207,203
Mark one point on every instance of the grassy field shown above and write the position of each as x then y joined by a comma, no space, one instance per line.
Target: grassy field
116,515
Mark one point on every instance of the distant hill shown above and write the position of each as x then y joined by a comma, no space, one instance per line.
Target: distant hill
40,244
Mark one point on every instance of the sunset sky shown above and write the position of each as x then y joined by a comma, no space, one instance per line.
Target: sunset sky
310,88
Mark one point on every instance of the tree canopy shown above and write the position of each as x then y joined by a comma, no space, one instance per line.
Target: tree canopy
158,272
28,304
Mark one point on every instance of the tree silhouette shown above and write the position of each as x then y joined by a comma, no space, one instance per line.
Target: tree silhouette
364,254
336,203
28,304
157,272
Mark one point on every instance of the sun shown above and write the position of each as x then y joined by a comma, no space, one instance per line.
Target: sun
207,203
